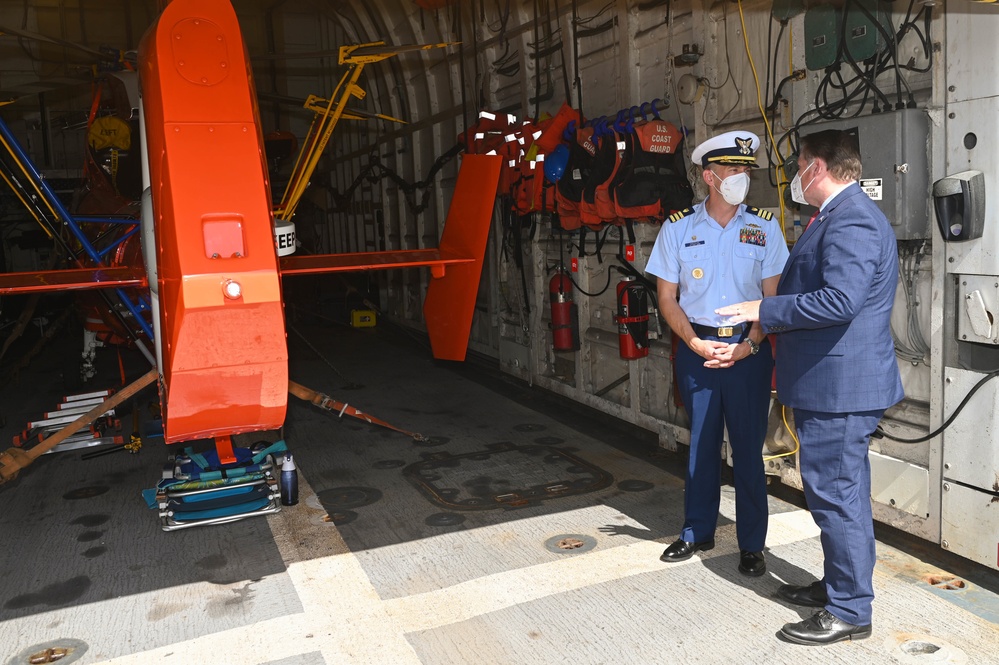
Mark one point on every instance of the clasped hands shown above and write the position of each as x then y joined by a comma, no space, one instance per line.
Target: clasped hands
722,354
719,355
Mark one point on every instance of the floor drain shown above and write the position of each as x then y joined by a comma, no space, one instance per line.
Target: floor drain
444,519
919,648
947,582
570,543
340,517
62,651
529,427
48,656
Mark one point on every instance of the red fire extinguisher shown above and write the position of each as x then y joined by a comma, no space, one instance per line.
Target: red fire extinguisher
632,319
565,318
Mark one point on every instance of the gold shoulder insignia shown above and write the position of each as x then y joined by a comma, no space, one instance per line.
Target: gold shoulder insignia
760,212
677,216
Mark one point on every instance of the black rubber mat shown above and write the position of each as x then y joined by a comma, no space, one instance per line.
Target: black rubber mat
504,476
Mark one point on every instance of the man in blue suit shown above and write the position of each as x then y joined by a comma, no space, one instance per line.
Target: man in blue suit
836,368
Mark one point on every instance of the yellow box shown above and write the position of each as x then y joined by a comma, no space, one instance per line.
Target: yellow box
362,318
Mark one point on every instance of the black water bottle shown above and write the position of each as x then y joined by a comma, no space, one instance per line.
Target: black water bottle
289,482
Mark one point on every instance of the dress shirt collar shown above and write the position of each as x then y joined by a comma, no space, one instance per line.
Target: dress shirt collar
839,189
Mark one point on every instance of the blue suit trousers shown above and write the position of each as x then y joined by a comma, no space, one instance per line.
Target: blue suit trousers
737,397
836,474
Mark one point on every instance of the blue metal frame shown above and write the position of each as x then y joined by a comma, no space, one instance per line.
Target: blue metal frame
73,225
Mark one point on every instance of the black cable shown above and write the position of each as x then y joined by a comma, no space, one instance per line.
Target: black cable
575,60
592,295
537,68
375,171
892,49
603,27
960,407
461,72
627,269
608,6
601,239
561,267
523,272
513,227
561,52
771,67
924,39
870,83
861,83
771,59
773,149
504,16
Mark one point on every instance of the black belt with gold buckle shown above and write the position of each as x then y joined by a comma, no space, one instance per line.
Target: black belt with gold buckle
722,332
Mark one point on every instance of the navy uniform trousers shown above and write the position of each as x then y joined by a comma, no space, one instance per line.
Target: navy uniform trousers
836,475
739,397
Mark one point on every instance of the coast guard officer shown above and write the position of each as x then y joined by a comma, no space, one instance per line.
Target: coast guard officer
718,253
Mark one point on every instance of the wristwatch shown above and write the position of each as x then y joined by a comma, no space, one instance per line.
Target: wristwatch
754,348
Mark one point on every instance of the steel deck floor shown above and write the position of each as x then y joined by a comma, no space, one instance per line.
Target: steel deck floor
403,577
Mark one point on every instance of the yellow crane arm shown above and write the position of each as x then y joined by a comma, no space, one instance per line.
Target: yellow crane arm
330,111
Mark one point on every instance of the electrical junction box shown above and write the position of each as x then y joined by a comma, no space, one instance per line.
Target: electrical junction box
822,31
894,148
362,318
785,10
826,26
862,38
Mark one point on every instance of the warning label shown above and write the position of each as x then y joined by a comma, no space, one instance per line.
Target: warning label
872,187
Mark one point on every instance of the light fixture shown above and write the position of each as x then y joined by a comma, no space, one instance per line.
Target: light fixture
232,289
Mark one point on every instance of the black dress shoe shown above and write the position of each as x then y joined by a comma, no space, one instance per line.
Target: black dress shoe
681,550
823,628
813,595
752,563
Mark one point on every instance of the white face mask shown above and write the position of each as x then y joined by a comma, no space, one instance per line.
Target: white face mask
797,193
734,188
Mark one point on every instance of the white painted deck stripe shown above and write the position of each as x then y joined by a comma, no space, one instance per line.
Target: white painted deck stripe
346,620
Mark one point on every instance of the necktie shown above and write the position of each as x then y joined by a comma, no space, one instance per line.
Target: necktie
811,219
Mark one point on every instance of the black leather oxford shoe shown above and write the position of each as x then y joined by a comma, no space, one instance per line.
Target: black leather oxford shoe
752,563
813,595
823,628
681,550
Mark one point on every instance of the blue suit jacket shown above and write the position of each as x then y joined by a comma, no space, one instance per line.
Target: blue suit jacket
832,311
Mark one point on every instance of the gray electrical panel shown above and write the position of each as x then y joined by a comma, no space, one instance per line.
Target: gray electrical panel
894,148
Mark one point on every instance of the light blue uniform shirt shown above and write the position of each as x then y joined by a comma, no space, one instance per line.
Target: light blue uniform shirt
716,266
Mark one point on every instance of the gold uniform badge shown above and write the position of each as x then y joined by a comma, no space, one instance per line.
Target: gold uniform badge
697,273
